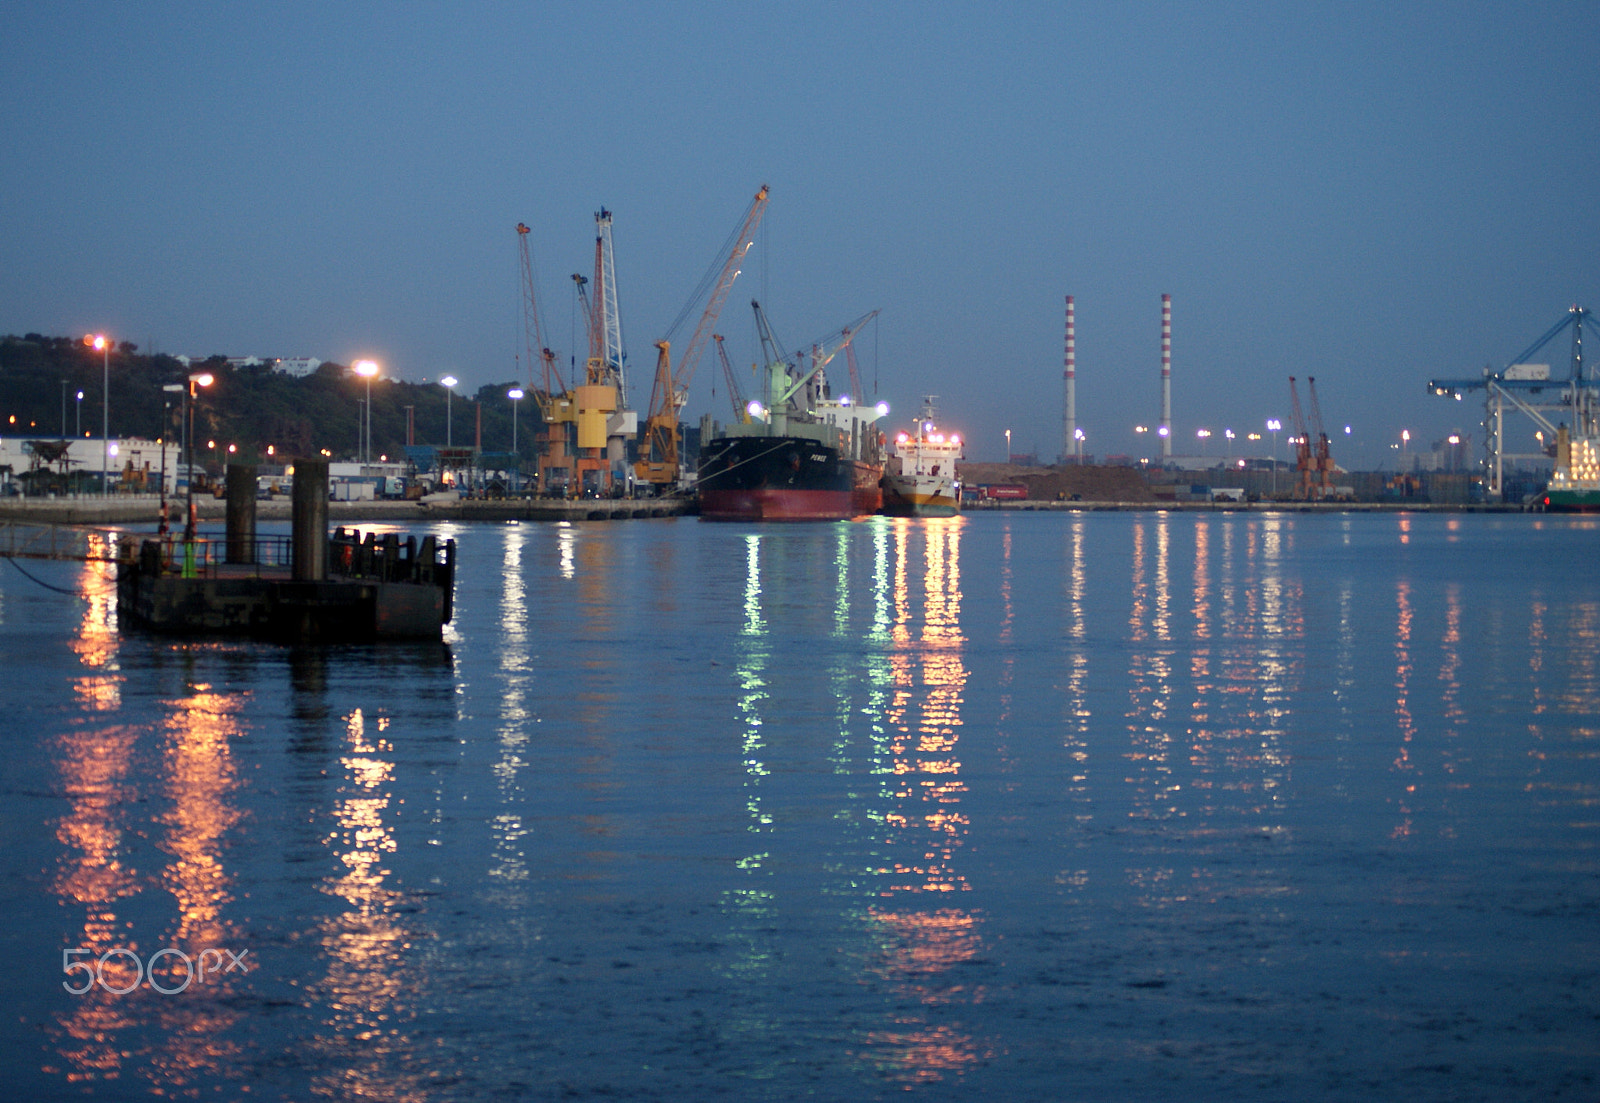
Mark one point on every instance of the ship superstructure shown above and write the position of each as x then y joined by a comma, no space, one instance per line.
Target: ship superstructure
798,452
920,477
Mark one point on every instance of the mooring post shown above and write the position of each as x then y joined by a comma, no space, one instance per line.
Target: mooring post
241,513
310,519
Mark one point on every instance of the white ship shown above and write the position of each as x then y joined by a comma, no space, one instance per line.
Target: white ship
920,478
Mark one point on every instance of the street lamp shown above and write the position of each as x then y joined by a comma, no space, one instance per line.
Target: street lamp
166,421
78,419
191,394
1008,445
1077,436
447,382
515,394
1204,435
103,343
1273,425
367,369
1228,433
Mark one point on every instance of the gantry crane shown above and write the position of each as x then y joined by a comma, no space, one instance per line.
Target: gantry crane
659,449
1530,389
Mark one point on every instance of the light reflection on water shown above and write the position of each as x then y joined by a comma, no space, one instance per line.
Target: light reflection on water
147,810
920,939
896,804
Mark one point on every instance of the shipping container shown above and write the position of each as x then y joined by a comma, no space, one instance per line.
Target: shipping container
1010,491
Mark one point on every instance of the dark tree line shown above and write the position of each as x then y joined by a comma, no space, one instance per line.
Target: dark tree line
249,406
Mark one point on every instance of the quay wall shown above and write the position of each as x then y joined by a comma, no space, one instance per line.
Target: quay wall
145,509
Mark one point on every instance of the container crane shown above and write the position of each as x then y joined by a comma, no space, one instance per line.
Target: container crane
1528,388
659,449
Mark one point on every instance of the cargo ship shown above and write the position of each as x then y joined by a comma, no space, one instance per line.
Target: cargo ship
1575,485
919,478
798,454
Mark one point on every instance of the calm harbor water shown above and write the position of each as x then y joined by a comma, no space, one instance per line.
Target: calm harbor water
1040,806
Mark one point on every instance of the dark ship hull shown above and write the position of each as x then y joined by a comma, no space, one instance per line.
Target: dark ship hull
775,479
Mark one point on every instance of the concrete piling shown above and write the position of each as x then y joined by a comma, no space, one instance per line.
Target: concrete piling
309,541
241,516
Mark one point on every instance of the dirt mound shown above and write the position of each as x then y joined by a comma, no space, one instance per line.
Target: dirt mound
1087,482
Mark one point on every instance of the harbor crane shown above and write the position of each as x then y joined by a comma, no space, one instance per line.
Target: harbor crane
549,390
606,364
1527,388
613,354
1323,455
1313,460
604,421
735,392
659,459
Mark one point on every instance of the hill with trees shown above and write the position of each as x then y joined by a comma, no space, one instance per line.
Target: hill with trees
251,406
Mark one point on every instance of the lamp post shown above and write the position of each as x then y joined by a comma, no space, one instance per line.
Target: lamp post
166,422
78,418
366,369
191,394
103,343
1008,446
447,382
515,394
1273,425
1077,436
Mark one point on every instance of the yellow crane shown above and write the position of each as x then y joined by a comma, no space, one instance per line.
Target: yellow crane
658,462
550,393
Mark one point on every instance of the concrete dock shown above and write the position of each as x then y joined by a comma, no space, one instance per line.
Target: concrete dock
138,509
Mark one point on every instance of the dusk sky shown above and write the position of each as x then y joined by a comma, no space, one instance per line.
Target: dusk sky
1373,194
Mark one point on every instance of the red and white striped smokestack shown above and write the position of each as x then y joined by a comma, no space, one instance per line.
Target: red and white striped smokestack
1166,376
1070,445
